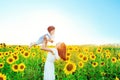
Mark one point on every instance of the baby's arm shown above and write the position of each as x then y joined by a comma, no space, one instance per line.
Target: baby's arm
50,40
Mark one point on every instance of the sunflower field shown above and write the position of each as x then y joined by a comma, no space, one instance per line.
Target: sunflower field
84,62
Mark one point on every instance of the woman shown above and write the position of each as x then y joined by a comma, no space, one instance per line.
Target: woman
59,52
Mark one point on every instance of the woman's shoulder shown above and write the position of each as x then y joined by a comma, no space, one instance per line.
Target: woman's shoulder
54,50
55,53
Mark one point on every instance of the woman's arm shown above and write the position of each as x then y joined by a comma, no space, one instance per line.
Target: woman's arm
44,46
47,49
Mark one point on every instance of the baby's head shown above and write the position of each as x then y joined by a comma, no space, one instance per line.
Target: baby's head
61,47
51,30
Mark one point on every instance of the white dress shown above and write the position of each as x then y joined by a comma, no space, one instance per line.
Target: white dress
49,65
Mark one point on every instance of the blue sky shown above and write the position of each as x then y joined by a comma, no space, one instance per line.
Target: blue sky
76,21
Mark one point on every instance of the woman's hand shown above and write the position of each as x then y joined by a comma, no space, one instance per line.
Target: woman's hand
52,52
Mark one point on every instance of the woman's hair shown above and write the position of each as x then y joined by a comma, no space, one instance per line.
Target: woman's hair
62,51
50,28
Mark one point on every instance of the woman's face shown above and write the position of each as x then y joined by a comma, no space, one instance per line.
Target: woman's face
57,45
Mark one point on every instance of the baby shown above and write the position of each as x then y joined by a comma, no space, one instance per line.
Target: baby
44,39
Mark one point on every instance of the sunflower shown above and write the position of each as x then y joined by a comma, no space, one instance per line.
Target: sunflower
92,57
21,49
85,58
69,68
16,53
107,51
15,67
43,59
76,48
16,57
113,59
1,65
68,53
103,73
70,48
2,76
10,60
10,52
107,56
37,47
1,54
81,64
102,63
80,55
67,58
22,52
86,49
94,64
33,54
118,54
91,53
116,78
17,48
99,50
118,58
26,54
6,53
21,67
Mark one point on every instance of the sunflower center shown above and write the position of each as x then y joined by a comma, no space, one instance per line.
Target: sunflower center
68,54
93,56
67,58
80,64
70,48
15,67
84,58
26,54
10,60
102,63
20,49
1,78
81,56
6,53
94,63
98,50
1,65
15,57
22,52
21,67
113,59
69,67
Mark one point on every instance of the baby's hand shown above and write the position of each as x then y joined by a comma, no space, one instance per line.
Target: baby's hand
51,41
31,44
52,52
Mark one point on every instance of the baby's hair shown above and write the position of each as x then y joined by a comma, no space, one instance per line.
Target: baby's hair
62,51
50,28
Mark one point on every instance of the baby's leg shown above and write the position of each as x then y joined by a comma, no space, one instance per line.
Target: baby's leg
44,44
